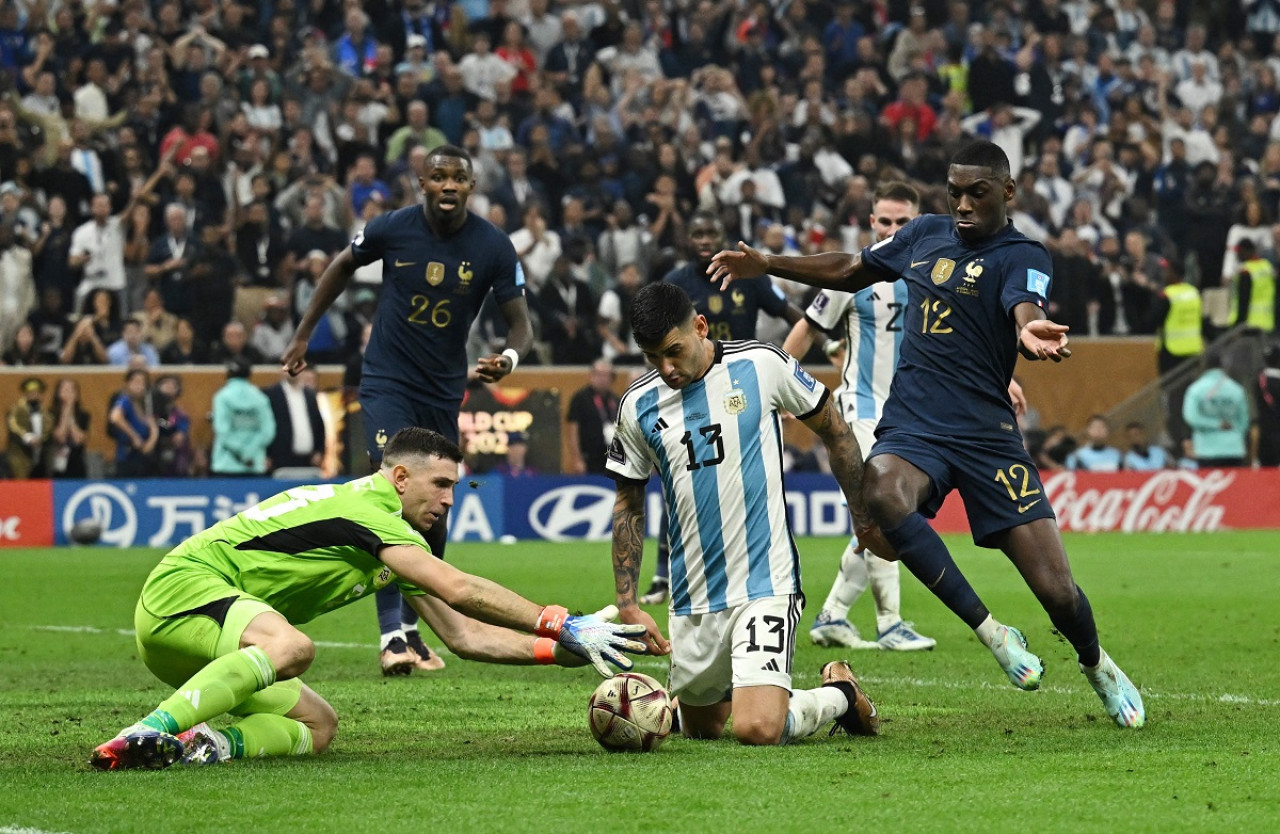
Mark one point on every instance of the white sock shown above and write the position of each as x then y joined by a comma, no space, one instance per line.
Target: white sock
812,709
411,625
886,588
850,582
987,630
387,638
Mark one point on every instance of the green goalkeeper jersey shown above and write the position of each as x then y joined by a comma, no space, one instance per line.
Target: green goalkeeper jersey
304,552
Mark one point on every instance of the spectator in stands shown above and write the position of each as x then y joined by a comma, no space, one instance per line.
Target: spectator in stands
235,346
614,320
173,445
271,334
1216,410
589,422
17,287
132,423
97,327
567,310
536,245
52,326
22,350
214,275
30,424
131,344
1265,434
260,246
52,252
243,425
1097,455
66,450
1142,456
300,439
515,465
158,324
185,348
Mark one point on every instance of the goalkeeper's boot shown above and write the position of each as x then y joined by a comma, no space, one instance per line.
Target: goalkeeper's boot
203,745
860,717
1117,692
837,633
427,660
396,658
1010,649
137,748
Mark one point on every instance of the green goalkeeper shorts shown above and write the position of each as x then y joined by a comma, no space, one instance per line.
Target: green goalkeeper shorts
187,617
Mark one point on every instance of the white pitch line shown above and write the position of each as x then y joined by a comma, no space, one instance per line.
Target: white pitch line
1224,698
12,829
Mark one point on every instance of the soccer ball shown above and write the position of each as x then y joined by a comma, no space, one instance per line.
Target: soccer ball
630,712
85,531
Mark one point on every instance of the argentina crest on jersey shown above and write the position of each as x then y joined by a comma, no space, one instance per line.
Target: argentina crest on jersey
735,402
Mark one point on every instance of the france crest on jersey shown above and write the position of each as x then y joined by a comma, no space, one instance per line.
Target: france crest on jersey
717,445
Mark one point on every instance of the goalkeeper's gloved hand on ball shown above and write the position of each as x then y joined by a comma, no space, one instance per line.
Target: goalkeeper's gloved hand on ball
595,638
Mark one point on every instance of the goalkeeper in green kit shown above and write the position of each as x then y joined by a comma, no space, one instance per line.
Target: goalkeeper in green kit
216,616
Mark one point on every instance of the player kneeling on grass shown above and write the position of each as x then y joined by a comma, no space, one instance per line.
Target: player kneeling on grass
216,616
708,418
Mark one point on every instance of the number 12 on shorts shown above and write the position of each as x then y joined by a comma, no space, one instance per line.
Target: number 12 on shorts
1016,480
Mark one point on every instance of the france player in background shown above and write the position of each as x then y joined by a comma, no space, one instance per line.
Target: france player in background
977,290
708,417
439,261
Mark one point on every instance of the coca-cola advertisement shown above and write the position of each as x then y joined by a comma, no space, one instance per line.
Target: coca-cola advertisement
1170,501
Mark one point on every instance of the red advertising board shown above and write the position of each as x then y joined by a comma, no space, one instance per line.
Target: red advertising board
1172,501
26,513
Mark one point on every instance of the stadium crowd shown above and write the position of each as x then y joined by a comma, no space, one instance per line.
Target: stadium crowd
174,177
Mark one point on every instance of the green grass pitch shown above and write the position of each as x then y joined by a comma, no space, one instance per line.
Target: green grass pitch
1191,618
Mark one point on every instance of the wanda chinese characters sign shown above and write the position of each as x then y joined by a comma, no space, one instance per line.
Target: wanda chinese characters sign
1172,501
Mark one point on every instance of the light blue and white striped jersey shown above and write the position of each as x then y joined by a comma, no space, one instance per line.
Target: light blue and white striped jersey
717,444
871,322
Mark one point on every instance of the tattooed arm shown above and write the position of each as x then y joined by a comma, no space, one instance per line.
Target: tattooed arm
846,466
628,547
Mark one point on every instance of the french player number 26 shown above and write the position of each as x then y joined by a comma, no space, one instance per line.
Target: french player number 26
712,437
424,312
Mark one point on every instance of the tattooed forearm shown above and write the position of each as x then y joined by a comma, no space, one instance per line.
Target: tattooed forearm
846,458
628,541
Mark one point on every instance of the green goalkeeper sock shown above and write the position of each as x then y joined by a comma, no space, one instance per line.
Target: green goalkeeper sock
213,690
264,734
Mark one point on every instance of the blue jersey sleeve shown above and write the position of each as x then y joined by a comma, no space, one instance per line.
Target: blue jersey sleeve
1028,277
772,301
508,282
891,257
370,244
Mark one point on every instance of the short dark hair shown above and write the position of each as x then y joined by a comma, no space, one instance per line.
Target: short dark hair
416,441
983,154
453,152
656,310
1102,417
897,190
238,368
1135,424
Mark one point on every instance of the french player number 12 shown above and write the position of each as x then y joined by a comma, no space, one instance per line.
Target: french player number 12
712,437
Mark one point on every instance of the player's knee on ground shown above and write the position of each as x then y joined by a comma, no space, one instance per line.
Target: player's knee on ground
758,731
324,729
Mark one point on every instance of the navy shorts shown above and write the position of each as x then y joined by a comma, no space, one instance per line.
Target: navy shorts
995,477
385,414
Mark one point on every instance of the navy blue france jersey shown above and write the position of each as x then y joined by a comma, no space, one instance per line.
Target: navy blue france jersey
731,313
959,343
432,289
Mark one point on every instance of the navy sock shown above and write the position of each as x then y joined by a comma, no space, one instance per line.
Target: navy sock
1080,629
924,554
390,617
